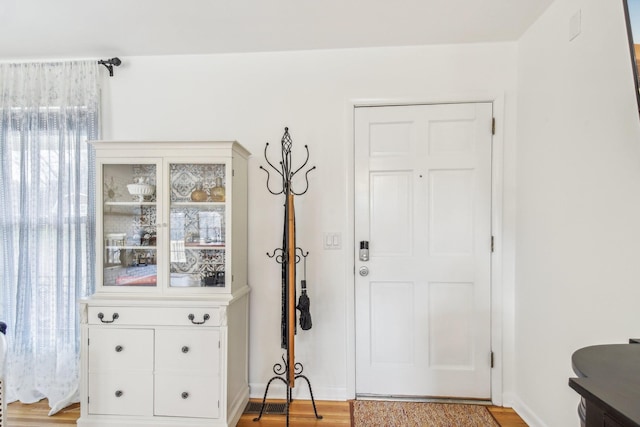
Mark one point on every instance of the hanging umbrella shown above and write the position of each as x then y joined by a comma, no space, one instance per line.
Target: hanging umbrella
304,303
303,306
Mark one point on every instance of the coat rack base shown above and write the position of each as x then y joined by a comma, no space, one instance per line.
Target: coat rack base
282,373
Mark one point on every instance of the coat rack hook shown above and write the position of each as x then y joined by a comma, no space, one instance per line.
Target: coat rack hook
285,167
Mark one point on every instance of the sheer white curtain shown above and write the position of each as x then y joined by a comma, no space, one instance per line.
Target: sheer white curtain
48,111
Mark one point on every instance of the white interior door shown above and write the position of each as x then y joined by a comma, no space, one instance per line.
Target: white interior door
423,202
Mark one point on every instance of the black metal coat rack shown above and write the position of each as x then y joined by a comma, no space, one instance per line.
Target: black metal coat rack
288,256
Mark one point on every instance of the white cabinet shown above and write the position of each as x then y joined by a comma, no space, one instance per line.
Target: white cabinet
165,335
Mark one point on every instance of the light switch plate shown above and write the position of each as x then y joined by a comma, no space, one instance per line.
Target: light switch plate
332,241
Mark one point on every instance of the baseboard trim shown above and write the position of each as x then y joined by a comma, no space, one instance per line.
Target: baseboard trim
236,408
300,391
527,415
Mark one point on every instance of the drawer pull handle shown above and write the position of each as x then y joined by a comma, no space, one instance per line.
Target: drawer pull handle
185,394
119,393
119,348
185,349
113,317
205,318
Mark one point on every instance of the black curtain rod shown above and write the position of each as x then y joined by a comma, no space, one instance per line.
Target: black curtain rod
109,63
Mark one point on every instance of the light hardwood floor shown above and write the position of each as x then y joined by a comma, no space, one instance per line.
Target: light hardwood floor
333,413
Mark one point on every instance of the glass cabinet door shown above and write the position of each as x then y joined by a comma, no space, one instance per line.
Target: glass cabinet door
129,225
197,224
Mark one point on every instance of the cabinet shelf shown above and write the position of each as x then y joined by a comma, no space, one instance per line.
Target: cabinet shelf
133,204
196,204
120,266
205,245
132,247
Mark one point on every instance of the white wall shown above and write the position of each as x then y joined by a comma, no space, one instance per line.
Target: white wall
578,208
251,98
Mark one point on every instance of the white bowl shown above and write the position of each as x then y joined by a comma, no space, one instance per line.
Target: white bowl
141,190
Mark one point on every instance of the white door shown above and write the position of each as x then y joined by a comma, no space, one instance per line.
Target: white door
423,202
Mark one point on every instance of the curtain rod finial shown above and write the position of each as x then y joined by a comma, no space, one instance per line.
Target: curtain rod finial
109,63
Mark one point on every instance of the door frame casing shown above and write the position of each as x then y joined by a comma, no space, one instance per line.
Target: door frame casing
497,189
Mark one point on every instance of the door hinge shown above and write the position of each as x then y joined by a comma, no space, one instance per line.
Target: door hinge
492,359
492,244
493,126
218,343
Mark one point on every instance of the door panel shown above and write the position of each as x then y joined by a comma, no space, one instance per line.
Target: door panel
423,201
451,212
391,337
391,213
451,320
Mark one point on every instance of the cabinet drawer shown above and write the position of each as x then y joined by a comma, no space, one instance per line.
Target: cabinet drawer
121,394
169,316
187,350
187,395
120,349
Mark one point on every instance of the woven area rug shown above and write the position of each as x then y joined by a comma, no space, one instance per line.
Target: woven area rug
377,413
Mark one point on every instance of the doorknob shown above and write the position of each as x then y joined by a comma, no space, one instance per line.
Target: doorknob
364,271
